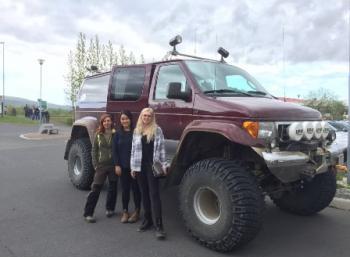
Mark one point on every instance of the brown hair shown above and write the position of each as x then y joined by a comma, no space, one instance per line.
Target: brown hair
100,128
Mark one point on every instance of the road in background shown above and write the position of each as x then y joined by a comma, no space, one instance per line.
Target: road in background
41,216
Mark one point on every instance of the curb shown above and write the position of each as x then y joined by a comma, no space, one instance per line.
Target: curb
23,136
340,203
38,136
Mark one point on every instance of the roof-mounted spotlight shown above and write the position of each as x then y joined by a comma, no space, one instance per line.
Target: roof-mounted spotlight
224,53
94,68
175,41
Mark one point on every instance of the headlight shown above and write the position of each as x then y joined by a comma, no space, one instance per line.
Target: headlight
267,130
261,130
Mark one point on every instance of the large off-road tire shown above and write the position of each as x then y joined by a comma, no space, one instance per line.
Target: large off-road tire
311,197
80,169
221,204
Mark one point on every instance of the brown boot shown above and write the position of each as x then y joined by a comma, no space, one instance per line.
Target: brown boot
135,216
125,217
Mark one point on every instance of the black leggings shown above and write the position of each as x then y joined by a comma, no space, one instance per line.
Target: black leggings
149,186
127,181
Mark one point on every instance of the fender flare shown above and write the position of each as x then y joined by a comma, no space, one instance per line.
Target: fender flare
82,128
89,123
232,131
229,130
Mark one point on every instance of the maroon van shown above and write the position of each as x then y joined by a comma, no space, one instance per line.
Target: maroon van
229,143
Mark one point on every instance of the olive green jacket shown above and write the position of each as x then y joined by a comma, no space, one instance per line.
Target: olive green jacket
102,151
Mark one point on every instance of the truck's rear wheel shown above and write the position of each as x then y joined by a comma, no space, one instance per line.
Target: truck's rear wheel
221,204
311,197
80,168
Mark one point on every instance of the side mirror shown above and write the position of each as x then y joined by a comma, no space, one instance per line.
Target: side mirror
174,92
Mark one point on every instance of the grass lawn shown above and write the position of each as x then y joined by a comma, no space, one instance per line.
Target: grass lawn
342,180
17,120
20,119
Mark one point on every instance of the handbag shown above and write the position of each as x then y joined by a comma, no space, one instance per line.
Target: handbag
157,169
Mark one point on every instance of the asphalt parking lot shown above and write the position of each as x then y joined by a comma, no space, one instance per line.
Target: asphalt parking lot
41,216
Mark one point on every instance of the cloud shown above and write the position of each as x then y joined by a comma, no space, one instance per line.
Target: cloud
316,33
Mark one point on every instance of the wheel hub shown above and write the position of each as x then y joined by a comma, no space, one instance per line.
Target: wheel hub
207,205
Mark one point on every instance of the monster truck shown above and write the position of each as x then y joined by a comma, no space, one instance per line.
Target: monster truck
229,142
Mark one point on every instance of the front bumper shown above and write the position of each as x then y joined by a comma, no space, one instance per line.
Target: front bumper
290,166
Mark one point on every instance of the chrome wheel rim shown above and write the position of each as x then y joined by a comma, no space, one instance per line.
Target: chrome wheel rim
207,205
77,166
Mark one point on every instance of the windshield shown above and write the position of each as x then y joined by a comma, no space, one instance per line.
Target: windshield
223,79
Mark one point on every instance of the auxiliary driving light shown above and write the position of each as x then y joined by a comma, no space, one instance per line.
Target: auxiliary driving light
223,52
175,41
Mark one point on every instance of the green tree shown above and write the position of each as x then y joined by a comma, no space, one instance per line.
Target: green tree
112,56
123,58
142,59
325,102
76,69
131,58
98,54
72,88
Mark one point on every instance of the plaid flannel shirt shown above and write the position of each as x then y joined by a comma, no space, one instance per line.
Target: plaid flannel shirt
158,150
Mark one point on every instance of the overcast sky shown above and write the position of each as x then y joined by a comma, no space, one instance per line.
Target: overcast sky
315,48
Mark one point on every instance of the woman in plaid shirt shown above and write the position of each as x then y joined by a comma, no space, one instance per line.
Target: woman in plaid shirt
147,148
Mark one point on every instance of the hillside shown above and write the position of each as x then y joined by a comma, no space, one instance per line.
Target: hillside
20,102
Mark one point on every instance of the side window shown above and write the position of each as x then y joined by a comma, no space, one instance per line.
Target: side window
127,83
166,75
94,89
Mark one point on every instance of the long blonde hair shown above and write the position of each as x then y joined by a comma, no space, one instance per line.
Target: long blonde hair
150,130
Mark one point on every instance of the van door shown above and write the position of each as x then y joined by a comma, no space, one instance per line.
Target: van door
172,114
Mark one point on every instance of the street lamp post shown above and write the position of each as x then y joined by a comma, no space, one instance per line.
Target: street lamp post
3,79
348,150
41,62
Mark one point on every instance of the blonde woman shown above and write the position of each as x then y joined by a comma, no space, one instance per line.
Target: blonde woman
148,147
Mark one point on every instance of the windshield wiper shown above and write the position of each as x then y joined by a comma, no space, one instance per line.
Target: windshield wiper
231,91
256,92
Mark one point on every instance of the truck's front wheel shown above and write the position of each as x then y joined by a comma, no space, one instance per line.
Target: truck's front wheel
80,170
310,197
221,204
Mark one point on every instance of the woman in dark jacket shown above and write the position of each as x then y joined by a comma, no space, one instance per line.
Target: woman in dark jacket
104,167
121,153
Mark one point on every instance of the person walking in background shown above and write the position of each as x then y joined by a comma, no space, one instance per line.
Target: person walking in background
121,153
103,163
33,112
147,148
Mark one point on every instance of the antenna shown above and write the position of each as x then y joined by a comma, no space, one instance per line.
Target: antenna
283,61
195,41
